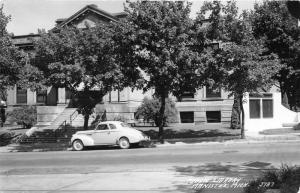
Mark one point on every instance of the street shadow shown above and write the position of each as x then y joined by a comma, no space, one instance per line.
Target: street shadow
195,173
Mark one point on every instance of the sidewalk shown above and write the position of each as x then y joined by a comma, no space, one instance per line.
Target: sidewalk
259,138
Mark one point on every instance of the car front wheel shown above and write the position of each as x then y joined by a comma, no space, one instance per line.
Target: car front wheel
77,145
124,143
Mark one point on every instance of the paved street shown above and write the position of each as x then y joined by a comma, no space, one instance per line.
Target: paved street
173,168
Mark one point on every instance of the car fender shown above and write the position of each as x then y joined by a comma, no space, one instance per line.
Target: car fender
133,138
86,140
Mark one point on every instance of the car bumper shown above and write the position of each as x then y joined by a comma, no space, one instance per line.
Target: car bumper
145,142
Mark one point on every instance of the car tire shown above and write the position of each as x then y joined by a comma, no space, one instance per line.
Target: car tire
77,145
124,143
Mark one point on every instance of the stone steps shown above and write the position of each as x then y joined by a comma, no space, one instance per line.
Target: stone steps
290,124
64,116
50,136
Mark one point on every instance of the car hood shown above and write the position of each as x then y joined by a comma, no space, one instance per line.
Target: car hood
85,132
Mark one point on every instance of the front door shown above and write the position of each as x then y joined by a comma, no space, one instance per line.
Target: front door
101,135
114,133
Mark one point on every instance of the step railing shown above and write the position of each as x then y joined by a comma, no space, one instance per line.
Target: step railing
62,128
73,116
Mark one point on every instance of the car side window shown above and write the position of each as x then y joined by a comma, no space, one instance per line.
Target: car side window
112,126
102,127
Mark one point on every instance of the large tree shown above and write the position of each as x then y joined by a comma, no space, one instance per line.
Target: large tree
243,68
223,24
81,60
157,39
241,64
11,59
273,23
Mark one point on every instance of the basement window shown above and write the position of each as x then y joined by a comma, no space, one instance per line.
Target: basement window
213,116
187,117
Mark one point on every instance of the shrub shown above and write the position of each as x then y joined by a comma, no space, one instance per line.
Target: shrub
149,111
25,116
6,137
287,179
297,127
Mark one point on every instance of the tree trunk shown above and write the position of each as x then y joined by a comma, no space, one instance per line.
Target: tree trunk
86,122
235,113
3,116
161,121
242,120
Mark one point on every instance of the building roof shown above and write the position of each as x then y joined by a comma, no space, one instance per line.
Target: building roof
23,41
93,8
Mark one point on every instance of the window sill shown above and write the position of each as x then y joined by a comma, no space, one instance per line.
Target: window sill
213,99
116,102
188,100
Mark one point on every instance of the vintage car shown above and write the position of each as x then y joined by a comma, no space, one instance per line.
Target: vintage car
109,133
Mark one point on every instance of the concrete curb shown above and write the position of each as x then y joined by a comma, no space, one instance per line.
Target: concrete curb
188,142
248,140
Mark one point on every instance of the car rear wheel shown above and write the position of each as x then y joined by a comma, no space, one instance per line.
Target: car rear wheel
77,145
124,143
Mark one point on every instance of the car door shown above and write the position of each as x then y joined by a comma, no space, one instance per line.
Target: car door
101,135
114,132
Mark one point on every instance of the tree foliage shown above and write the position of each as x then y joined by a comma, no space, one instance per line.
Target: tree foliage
149,111
11,59
242,64
273,23
81,60
158,37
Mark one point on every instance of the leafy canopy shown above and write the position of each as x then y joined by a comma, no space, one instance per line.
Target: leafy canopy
11,59
158,36
280,33
81,60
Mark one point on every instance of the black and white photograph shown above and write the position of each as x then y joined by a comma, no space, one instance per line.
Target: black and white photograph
141,96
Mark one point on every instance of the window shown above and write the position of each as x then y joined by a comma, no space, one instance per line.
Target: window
114,96
261,106
213,116
254,108
187,117
213,92
188,95
41,96
102,127
267,108
21,96
112,126
109,96
125,125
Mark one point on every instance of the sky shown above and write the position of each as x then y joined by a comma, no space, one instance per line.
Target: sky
27,16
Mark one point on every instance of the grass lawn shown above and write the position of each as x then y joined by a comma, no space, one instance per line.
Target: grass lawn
189,131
